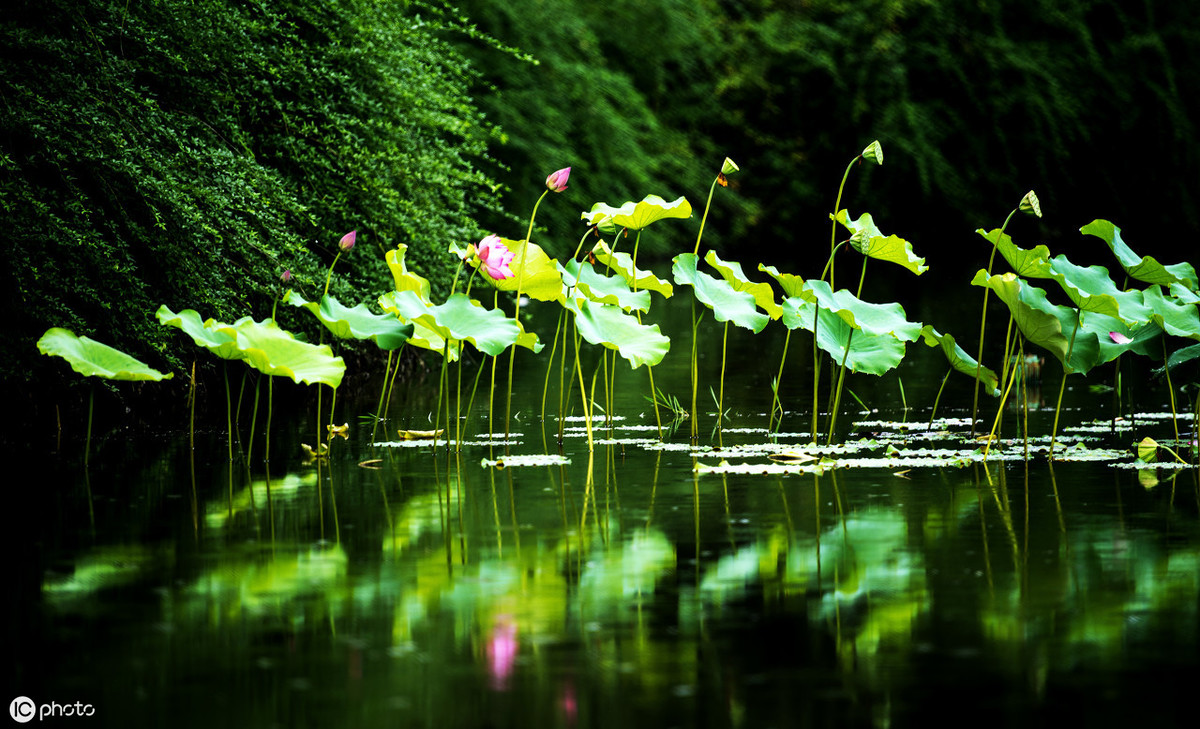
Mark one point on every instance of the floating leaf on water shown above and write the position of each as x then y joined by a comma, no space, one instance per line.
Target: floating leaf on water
93,359
537,459
371,463
342,430
724,467
792,457
311,455
420,434
357,322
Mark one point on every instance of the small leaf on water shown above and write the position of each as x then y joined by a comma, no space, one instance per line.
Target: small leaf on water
420,434
792,457
1147,450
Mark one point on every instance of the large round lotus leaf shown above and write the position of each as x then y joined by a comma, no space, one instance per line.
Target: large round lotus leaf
356,322
863,352
789,282
1144,269
608,326
1178,318
875,244
726,303
205,333
275,351
636,216
1026,263
93,359
424,334
874,319
731,271
1091,289
622,264
533,271
463,319
603,289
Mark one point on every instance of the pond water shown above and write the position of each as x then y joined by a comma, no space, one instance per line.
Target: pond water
400,584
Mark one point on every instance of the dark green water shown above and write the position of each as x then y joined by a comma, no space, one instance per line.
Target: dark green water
618,589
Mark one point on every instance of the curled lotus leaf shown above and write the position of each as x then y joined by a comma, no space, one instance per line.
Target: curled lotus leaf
622,264
534,272
1026,263
1142,268
603,289
405,279
874,244
874,319
1091,289
959,360
791,284
356,322
731,271
94,359
608,326
636,216
276,351
1047,325
1140,339
408,304
727,303
1175,317
863,352
462,318
205,333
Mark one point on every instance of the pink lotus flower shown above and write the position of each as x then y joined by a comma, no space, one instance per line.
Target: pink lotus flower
557,181
347,241
1119,338
495,257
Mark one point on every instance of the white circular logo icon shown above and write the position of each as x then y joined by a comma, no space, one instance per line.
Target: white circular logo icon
22,709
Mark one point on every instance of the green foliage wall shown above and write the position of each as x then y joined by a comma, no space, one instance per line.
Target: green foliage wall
188,152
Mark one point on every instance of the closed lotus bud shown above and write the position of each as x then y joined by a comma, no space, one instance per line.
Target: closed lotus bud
728,167
1030,204
286,276
347,241
873,152
557,181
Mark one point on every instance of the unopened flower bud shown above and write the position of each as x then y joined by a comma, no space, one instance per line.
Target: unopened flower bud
347,241
557,181
286,276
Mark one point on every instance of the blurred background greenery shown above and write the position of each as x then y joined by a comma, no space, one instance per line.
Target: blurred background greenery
187,153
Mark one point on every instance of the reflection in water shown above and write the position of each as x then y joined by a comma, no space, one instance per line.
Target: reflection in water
626,589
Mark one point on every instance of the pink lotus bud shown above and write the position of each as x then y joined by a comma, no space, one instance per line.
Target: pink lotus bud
1119,338
286,276
557,181
347,241
495,257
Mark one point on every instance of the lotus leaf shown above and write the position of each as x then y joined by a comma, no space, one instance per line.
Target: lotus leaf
405,279
890,248
464,319
638,279
1091,289
1176,318
1137,338
1032,263
205,334
1184,294
1144,269
93,359
603,289
636,216
424,335
727,303
1047,325
535,272
1183,356
959,359
355,323
275,351
871,353
790,283
610,327
874,319
731,271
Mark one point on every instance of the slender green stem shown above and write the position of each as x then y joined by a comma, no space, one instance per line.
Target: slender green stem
1170,390
382,393
329,275
87,444
587,411
695,368
649,367
512,355
936,400
776,406
550,365
721,387
1062,386
267,434
837,204
704,217
983,320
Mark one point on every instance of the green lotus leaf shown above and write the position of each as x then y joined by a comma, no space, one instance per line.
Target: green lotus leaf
357,322
890,248
636,216
540,278
205,334
423,335
1183,356
874,319
727,303
1184,294
608,326
1173,316
462,318
93,359
1026,263
1047,325
637,279
731,271
1144,269
790,283
873,354
1142,339
405,279
1091,289
959,360
275,351
603,289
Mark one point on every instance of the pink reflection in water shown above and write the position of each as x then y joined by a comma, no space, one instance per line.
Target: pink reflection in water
501,653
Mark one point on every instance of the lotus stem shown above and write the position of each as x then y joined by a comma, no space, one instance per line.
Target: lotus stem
87,443
229,425
587,413
391,386
328,276
1170,389
936,400
983,320
721,386
695,369
776,405
1062,386
1003,399
437,418
837,205
382,393
649,367
837,401
550,365
512,355
253,422
267,435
